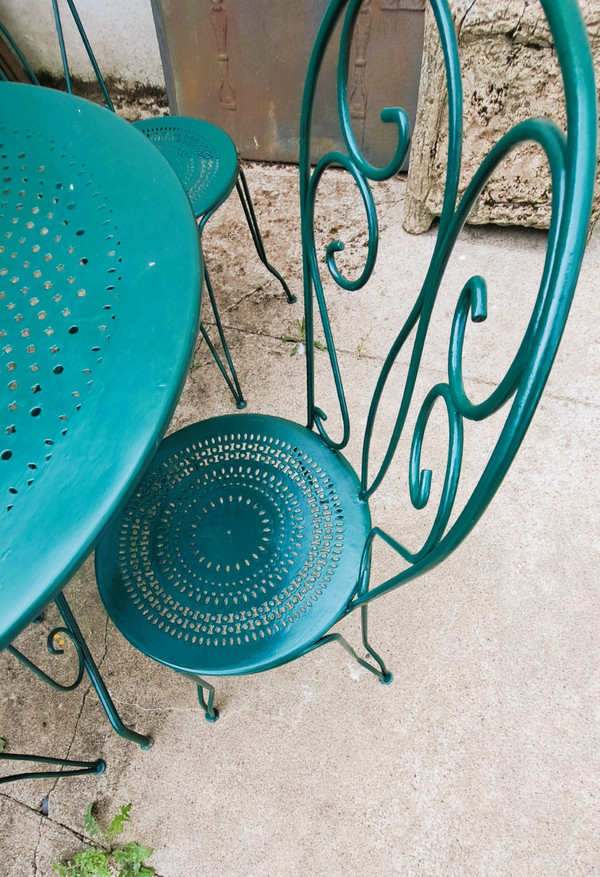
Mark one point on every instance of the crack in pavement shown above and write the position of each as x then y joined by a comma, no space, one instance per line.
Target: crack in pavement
67,756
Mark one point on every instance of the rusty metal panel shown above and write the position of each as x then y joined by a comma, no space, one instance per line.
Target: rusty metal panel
241,65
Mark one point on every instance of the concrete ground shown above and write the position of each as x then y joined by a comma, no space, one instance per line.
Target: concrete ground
482,757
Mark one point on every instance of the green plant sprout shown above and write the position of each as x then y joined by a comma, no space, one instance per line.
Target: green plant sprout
360,347
127,861
299,340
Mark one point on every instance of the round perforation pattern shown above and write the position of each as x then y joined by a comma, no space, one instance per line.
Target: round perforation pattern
55,322
229,541
203,156
192,156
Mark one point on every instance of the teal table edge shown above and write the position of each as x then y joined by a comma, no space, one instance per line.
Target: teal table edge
149,361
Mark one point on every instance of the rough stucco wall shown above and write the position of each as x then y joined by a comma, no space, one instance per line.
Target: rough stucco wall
510,73
121,32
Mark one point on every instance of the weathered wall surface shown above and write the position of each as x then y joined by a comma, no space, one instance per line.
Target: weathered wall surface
122,35
510,73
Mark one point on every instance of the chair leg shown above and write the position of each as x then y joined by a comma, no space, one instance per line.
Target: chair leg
79,767
101,690
381,671
244,195
232,382
386,677
211,713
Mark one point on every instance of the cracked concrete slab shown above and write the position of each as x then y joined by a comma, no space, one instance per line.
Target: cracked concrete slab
482,757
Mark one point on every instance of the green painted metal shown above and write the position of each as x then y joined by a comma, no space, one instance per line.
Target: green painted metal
205,159
87,333
66,193
572,160
202,155
76,768
239,548
85,662
209,569
22,59
88,48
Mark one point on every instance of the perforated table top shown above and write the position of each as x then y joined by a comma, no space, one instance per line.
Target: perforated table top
99,308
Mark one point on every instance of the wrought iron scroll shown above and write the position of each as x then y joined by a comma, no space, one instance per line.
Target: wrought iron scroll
361,171
85,662
571,160
54,642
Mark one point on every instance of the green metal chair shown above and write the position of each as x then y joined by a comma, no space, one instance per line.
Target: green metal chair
250,536
205,160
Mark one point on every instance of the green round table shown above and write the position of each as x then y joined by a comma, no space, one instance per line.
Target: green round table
100,289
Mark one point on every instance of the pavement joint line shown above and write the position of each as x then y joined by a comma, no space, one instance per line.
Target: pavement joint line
34,858
81,708
247,295
548,394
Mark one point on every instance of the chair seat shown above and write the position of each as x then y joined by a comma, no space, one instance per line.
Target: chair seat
239,549
203,156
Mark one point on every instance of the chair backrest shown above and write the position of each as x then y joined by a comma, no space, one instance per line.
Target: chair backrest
63,52
571,158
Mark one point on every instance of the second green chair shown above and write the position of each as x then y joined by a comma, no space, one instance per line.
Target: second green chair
205,159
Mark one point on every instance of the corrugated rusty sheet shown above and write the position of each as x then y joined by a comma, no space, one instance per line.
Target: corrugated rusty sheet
241,65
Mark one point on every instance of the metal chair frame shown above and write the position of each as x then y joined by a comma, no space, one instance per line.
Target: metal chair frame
227,369
171,604
71,630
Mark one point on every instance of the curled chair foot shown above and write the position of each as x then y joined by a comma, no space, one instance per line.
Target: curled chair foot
384,676
381,671
211,713
75,768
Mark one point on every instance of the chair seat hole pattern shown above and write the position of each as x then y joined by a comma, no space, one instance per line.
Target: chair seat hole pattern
193,156
229,540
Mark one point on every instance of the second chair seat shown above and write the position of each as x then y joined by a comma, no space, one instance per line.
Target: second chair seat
202,155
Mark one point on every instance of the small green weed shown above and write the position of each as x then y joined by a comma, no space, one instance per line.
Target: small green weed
128,861
299,340
360,347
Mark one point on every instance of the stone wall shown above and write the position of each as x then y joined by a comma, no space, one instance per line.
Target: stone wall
510,73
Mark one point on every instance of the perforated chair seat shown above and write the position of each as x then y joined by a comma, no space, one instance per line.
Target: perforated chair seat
203,156
238,550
